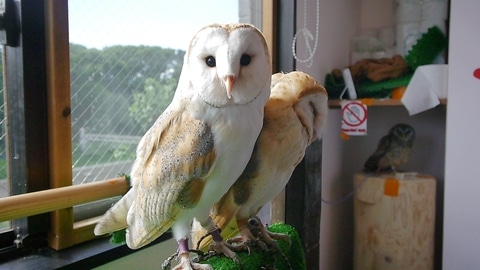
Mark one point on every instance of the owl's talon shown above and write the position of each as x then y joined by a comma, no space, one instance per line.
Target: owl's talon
265,239
188,264
168,262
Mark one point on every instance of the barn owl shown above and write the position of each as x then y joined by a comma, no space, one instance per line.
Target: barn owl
393,149
295,116
201,143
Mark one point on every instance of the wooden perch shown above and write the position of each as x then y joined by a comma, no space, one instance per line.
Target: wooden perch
39,202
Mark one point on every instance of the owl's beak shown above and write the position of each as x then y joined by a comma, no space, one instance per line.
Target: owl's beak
229,82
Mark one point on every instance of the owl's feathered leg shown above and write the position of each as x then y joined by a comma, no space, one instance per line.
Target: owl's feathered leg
220,246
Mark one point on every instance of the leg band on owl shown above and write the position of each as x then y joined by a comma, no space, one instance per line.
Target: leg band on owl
215,233
183,246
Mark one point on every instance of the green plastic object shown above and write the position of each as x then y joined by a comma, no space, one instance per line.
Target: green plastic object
334,87
382,88
368,89
427,48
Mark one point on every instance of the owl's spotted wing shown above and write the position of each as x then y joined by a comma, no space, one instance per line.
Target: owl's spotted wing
115,218
374,160
167,177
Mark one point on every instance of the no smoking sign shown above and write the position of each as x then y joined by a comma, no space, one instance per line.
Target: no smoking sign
354,118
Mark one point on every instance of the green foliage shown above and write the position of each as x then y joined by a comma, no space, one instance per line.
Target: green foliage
150,103
124,152
3,164
104,152
104,82
118,90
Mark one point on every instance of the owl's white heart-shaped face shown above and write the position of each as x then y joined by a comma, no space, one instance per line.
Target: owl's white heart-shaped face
228,64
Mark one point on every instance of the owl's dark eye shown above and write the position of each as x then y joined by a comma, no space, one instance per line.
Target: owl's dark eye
210,61
245,59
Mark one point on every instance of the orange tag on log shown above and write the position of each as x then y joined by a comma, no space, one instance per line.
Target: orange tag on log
391,187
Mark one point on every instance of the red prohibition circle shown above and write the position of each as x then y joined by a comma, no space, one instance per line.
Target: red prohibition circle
360,121
476,73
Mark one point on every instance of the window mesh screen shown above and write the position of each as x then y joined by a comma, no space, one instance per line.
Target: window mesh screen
4,181
125,59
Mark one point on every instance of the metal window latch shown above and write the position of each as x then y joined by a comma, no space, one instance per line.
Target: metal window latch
9,23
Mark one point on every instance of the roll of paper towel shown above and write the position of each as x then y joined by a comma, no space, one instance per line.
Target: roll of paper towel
406,36
414,17
427,86
426,24
408,11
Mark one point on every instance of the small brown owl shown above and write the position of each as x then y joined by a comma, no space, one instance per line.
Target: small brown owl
392,150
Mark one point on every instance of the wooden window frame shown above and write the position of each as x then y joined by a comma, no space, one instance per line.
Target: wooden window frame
45,129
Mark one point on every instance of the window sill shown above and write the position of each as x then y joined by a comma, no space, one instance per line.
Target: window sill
83,256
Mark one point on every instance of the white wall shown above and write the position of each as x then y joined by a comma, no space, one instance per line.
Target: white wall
462,184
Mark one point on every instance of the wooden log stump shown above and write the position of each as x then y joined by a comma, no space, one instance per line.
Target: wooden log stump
394,221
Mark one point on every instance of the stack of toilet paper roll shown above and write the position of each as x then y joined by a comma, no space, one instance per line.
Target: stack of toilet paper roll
414,17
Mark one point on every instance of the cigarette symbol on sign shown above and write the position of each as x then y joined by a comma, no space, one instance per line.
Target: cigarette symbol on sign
354,114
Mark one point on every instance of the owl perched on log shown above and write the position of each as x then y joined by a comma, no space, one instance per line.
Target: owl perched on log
201,143
392,151
295,116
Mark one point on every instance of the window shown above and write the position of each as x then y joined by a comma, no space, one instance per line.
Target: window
123,75
4,182
72,129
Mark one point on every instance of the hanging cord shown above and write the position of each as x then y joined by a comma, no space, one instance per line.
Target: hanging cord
308,36
345,198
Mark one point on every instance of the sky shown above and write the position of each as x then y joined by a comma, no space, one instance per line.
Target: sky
164,23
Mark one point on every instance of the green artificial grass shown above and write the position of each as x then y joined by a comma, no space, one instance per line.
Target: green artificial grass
118,237
267,260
